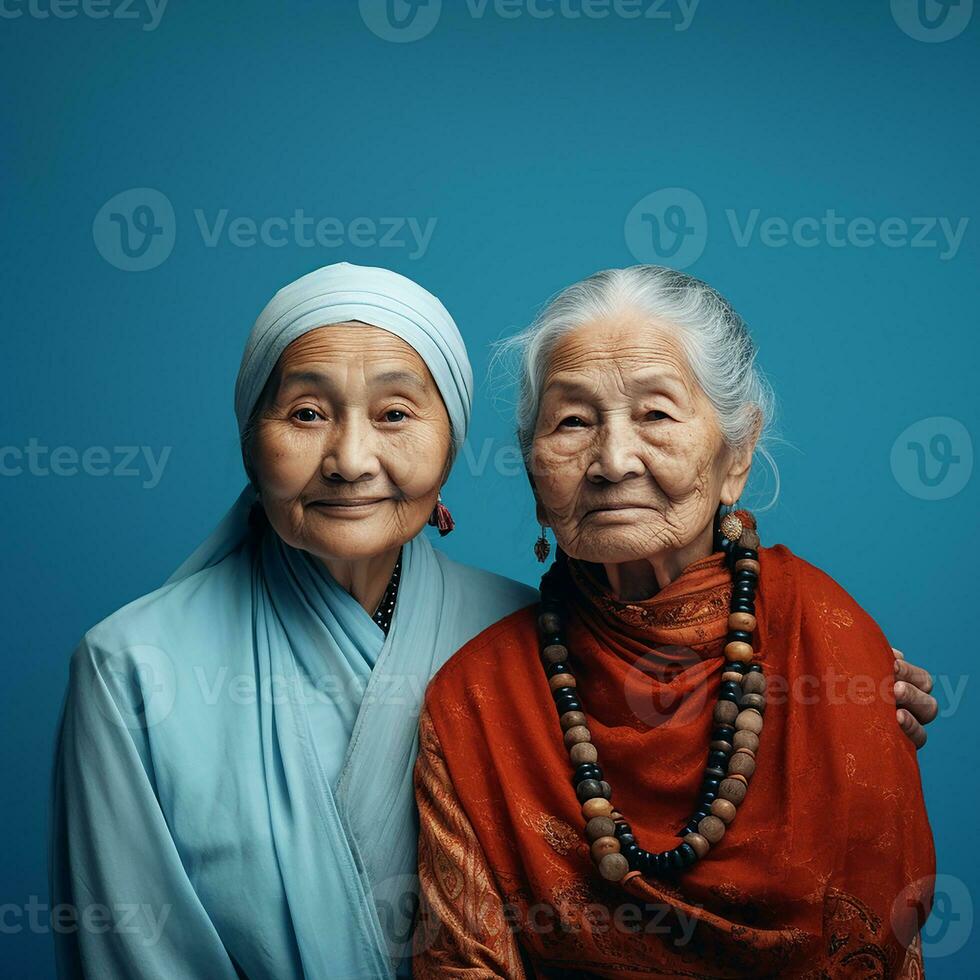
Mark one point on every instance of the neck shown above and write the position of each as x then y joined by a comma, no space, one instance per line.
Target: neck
633,581
364,578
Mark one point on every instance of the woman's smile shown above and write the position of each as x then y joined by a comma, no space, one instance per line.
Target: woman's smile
348,506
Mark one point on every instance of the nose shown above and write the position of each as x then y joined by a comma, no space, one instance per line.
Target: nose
617,454
350,454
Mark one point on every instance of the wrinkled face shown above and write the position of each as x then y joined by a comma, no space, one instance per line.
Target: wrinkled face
627,459
351,443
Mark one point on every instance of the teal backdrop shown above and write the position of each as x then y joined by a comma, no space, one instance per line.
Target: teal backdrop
167,166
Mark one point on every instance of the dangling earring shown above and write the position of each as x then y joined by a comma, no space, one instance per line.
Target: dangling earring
542,548
441,518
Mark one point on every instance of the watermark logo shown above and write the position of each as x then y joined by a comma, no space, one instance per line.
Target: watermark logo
932,21
411,20
932,459
148,12
668,226
650,693
135,230
396,899
400,21
834,230
35,459
950,923
141,922
142,683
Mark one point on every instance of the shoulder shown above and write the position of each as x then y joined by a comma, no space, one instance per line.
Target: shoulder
479,598
488,587
497,648
817,596
203,609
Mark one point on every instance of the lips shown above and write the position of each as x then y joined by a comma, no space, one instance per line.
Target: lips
351,502
621,506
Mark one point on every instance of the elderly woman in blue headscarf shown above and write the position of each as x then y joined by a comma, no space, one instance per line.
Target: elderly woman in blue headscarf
233,782
233,787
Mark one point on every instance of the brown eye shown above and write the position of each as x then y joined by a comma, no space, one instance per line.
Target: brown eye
305,415
571,422
656,415
395,415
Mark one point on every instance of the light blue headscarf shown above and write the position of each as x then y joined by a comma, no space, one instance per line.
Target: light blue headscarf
340,293
278,833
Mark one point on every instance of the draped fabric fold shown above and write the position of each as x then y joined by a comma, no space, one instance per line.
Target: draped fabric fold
233,778
827,868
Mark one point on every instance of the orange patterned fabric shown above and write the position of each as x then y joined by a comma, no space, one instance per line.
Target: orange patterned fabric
826,870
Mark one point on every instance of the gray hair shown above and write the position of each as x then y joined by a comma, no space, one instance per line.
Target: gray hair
713,337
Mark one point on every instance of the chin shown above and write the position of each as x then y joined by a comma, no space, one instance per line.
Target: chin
341,540
610,546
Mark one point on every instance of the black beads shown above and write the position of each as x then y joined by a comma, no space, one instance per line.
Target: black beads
587,789
587,779
587,770
386,608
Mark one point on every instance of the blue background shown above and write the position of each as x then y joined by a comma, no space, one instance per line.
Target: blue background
529,140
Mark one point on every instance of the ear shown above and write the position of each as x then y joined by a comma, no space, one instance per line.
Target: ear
740,465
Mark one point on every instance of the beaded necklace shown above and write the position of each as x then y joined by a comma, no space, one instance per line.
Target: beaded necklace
386,607
737,722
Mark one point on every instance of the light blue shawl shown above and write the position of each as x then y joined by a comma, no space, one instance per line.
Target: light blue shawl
233,782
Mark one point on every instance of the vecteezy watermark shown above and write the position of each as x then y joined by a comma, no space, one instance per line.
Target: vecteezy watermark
134,687
671,225
950,923
218,684
932,21
595,917
307,231
148,13
138,919
932,459
655,700
402,21
136,229
124,462
836,231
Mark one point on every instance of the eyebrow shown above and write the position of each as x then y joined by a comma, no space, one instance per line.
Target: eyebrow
570,386
305,377
399,377
653,377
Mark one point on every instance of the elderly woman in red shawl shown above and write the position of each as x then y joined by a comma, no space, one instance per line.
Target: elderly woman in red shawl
684,762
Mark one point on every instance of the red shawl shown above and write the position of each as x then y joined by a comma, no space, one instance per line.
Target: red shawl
826,871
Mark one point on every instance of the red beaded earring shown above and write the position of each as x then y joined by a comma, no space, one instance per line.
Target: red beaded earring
441,518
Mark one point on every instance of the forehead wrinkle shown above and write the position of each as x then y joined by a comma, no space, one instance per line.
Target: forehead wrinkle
327,356
577,355
342,339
